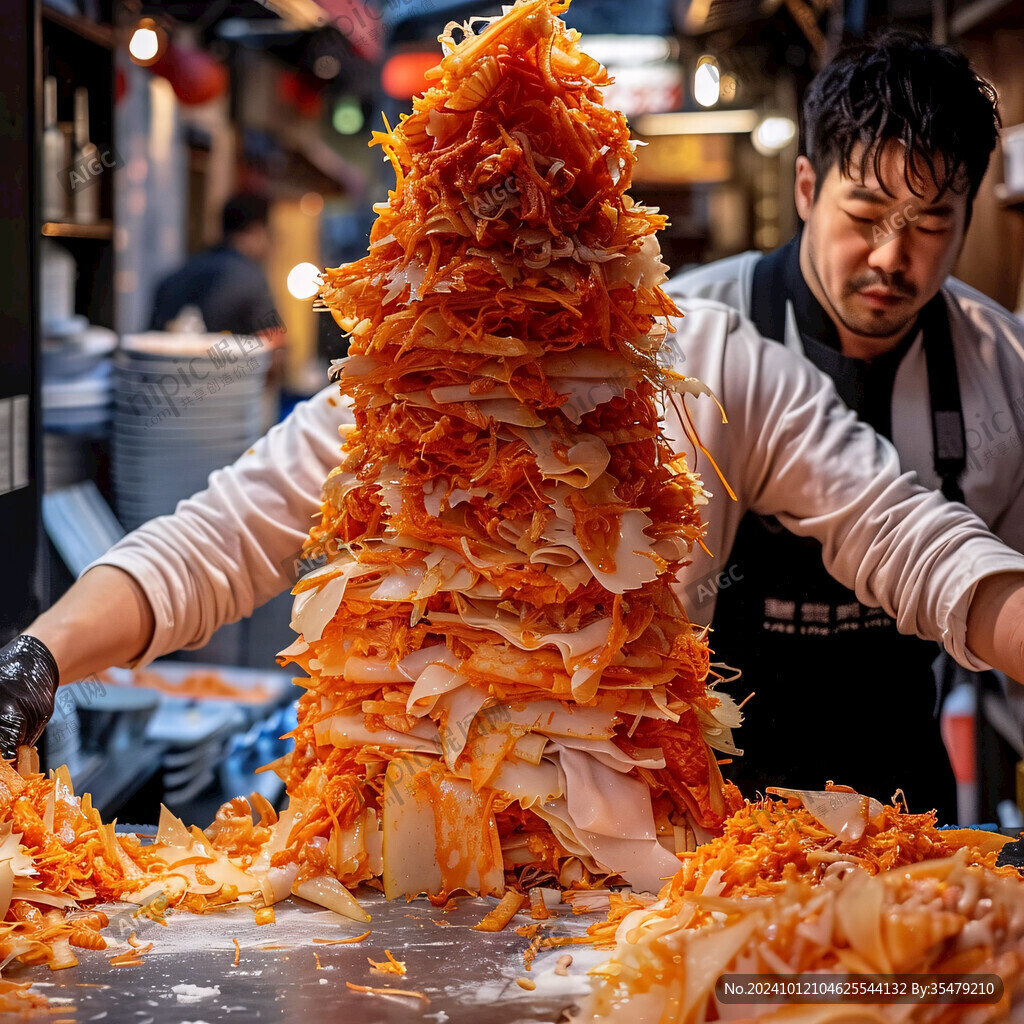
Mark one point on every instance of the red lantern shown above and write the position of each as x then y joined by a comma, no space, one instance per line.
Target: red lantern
300,91
402,75
194,75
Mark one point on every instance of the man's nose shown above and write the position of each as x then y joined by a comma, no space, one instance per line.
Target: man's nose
892,255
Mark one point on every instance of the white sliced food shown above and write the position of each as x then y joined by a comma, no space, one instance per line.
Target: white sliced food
349,730
314,608
608,754
328,892
605,800
585,456
455,711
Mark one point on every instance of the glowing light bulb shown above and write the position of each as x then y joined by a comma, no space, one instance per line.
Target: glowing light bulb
147,41
773,134
304,280
348,116
707,82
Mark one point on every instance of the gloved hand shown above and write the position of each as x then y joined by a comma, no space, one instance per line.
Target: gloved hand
28,685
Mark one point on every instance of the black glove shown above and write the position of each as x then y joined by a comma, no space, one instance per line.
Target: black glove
28,684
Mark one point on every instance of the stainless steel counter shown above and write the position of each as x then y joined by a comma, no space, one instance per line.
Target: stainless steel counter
190,977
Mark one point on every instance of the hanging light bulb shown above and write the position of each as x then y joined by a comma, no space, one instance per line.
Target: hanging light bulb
707,82
147,43
304,280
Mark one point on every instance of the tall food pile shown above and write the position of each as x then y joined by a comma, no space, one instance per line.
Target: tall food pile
503,687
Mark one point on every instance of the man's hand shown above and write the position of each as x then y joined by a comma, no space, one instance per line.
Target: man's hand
28,685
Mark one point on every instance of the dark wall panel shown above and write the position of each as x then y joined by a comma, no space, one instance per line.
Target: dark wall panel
19,231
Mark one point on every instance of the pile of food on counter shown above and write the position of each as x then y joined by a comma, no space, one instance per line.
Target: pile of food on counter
205,684
502,683
818,886
503,690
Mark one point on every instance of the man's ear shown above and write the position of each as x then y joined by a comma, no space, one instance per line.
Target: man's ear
803,188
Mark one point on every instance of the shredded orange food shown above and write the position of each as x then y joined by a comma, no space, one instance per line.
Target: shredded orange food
496,919
369,990
531,951
342,942
767,845
538,909
57,855
780,892
389,966
130,957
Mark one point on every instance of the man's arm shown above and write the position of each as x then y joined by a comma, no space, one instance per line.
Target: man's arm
103,620
792,450
174,581
995,623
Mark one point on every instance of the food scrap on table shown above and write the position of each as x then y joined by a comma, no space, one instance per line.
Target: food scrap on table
498,917
386,991
388,966
342,942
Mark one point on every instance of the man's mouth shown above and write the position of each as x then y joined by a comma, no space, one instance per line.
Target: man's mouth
883,296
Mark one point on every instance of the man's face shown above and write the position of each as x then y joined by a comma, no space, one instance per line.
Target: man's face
874,255
258,242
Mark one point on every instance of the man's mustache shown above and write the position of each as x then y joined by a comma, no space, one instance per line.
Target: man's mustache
892,283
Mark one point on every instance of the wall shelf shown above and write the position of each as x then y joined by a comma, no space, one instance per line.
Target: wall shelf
103,229
94,32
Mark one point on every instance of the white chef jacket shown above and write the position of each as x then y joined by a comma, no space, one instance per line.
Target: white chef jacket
790,449
988,345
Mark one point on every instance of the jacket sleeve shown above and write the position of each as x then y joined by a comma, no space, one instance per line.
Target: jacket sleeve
232,547
796,452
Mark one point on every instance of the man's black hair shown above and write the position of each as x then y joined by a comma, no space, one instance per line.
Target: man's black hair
902,88
242,212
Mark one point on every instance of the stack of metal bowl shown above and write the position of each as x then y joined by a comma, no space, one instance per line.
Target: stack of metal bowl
184,405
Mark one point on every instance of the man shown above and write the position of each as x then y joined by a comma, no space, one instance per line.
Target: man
896,140
226,282
790,449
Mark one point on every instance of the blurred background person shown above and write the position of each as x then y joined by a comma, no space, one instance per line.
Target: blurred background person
226,282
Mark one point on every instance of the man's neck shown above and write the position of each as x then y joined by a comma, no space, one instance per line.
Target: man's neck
852,345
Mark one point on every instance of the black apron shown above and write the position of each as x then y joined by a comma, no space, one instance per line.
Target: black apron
841,695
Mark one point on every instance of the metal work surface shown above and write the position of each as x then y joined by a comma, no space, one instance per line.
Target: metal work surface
190,977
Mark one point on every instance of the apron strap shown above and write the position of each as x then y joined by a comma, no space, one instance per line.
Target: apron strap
768,295
948,439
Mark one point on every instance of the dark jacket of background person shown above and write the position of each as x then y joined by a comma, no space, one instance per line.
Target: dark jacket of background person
226,283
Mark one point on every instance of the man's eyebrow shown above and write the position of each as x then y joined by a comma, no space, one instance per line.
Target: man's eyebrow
942,210
867,195
864,194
